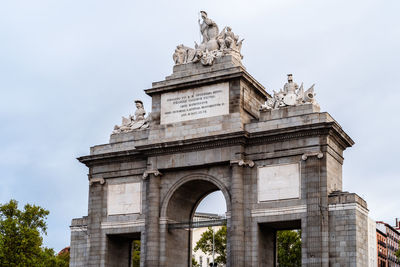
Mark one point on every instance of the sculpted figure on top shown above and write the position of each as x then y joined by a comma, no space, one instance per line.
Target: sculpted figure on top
208,28
132,123
290,95
214,44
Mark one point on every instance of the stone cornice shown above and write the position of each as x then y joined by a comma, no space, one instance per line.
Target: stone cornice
111,157
243,138
236,138
203,79
324,128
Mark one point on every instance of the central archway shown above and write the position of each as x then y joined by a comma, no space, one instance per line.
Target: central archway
179,206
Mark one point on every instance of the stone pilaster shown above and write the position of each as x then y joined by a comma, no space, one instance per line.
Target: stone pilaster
97,240
237,226
317,230
152,250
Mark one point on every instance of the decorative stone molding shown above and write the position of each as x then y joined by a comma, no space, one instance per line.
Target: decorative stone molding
78,228
279,211
154,172
243,163
99,180
318,154
118,225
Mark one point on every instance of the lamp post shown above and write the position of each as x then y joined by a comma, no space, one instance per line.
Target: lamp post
213,252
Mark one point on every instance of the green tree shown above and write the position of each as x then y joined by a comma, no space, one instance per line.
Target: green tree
205,244
195,263
289,248
398,252
20,237
135,253
64,258
49,259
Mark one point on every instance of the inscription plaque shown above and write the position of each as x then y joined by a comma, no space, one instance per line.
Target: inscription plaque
124,198
279,182
195,103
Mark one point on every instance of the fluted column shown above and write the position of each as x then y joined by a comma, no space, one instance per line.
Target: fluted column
237,228
152,253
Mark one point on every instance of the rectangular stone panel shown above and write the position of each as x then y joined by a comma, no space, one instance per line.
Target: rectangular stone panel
195,103
124,198
278,182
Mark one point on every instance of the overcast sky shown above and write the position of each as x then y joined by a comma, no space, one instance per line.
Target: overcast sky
70,69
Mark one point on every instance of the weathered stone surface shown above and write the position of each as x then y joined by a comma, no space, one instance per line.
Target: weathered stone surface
124,198
184,160
278,182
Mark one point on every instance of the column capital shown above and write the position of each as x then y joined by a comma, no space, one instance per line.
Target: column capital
99,180
243,163
318,154
155,172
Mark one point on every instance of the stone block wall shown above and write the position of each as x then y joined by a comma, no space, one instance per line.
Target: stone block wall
79,243
348,230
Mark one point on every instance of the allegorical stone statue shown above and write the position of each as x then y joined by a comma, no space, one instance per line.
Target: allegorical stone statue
290,95
208,28
132,123
214,44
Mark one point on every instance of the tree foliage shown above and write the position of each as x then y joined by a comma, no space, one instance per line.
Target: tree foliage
289,248
205,244
195,263
21,240
135,253
398,252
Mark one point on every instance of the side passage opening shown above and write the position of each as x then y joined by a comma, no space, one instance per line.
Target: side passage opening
124,250
280,244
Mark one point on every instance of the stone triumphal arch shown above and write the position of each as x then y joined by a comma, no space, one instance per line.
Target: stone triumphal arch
277,160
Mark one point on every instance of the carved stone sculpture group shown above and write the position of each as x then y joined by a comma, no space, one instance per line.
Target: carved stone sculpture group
290,95
132,123
214,44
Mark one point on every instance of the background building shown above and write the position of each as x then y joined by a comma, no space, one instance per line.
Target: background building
391,236
397,226
382,250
